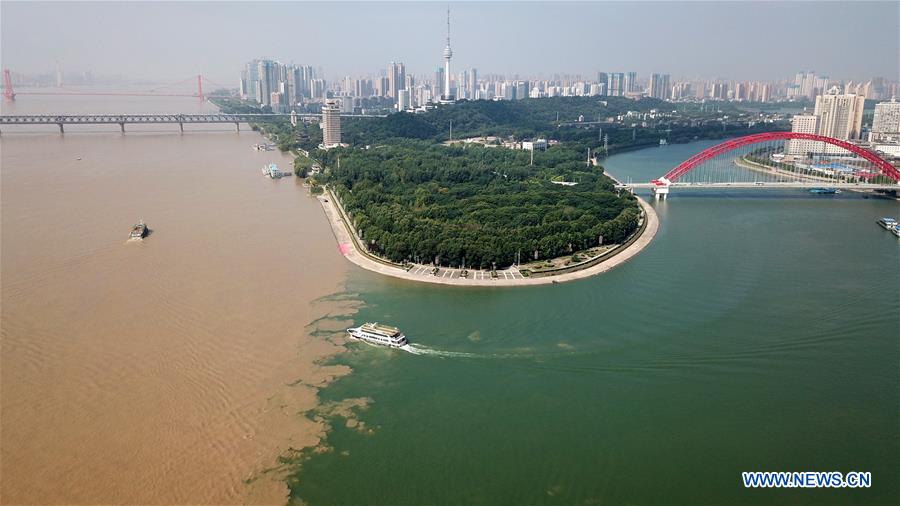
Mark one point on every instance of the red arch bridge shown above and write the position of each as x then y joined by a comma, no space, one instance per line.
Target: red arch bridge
779,160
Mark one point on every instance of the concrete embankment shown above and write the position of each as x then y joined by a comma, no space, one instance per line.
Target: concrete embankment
349,246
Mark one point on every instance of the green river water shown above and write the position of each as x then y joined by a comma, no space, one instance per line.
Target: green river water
758,332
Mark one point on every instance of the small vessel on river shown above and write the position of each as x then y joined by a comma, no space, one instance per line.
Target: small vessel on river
376,333
824,191
138,231
271,170
886,223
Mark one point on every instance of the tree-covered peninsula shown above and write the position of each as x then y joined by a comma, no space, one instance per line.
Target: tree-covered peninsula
478,205
413,198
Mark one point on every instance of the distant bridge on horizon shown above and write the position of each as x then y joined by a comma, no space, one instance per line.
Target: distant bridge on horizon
161,90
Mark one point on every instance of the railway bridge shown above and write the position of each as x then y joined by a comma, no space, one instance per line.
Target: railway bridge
61,120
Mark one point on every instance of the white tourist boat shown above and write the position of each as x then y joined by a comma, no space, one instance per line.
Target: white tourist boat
377,333
886,223
271,170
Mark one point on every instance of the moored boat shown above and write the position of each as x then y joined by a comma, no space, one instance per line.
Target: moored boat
824,191
376,333
271,170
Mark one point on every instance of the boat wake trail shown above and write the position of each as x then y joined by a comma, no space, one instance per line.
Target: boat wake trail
417,349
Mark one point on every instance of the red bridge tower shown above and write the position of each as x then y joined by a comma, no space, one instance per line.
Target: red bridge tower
8,93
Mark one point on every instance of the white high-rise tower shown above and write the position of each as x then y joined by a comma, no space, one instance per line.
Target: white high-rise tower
448,53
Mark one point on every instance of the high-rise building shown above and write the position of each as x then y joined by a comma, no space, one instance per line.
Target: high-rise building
659,86
331,124
363,88
275,101
616,84
347,84
261,78
681,90
347,104
396,79
306,74
630,83
471,83
244,91
267,81
804,124
403,100
438,88
448,53
317,88
420,96
886,123
763,92
719,91
249,78
382,87
807,85
603,80
522,89
840,116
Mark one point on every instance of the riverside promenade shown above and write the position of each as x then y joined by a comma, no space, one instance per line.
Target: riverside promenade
452,276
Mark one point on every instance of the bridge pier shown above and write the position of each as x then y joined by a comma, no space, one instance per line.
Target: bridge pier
61,128
238,125
122,126
181,126
661,188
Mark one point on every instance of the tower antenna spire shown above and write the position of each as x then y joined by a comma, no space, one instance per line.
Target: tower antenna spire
448,53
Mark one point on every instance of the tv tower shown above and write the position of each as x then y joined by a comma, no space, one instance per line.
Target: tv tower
448,53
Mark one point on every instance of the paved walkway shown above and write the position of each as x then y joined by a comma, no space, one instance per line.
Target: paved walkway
506,277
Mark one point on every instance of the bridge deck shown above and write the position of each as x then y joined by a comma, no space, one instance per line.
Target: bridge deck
768,185
118,119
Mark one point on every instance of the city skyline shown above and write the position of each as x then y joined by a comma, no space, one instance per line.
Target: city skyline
404,253
533,40
285,86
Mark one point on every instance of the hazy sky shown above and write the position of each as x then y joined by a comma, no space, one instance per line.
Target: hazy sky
733,40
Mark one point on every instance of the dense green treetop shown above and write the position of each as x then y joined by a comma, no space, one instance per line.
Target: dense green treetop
522,119
519,118
412,198
416,200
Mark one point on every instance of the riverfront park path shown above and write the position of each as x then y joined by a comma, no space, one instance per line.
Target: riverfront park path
451,276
